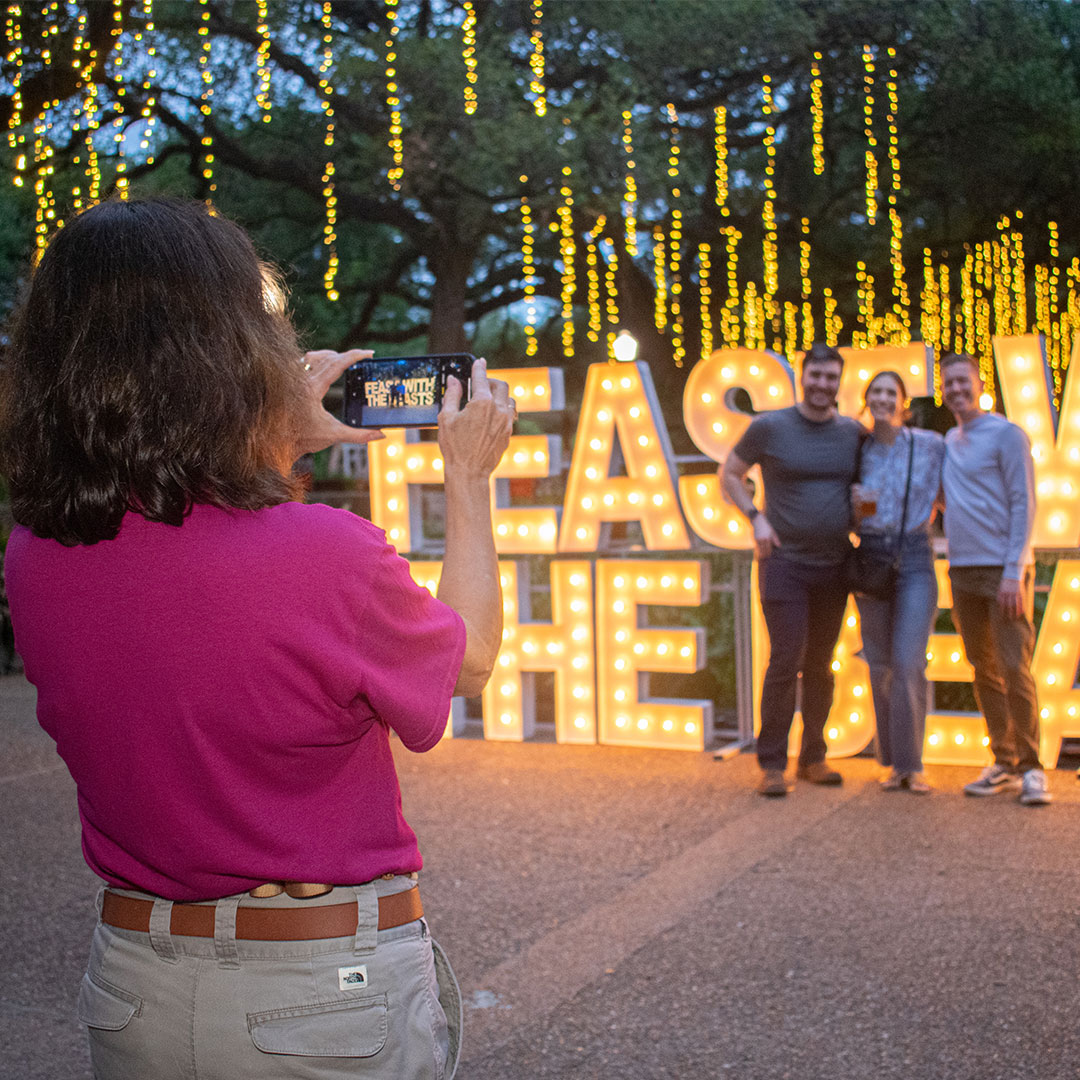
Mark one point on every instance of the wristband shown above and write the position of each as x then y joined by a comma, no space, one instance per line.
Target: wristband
751,514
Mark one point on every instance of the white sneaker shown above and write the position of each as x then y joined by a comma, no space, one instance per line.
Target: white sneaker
1035,790
993,780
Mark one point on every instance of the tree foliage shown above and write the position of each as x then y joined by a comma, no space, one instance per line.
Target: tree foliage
989,123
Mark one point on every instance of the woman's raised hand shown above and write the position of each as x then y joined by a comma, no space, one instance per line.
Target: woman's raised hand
473,439
316,429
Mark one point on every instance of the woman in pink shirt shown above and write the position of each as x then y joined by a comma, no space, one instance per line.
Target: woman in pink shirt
221,666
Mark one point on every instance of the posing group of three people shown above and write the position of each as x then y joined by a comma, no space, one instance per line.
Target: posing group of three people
822,472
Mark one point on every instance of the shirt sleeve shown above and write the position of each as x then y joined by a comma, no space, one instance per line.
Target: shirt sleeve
413,646
1018,477
751,447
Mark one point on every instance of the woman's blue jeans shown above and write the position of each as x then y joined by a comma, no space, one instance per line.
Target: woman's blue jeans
895,634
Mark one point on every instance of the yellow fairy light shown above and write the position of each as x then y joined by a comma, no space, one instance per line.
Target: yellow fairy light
769,246
630,187
393,102
868,131
592,276
660,294
536,60
678,350
14,57
206,77
865,291
808,336
945,307
611,269
720,144
147,112
117,76
817,114
262,60
326,92
901,300
567,252
528,270
705,298
729,316
834,323
468,54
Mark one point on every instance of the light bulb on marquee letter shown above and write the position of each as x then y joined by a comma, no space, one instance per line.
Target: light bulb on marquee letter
533,529
914,363
1054,666
400,462
1026,390
624,653
427,573
621,398
563,646
716,425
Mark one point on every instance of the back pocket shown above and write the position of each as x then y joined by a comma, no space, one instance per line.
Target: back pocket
105,1006
355,1028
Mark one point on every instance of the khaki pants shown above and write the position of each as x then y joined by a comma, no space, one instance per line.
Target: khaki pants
384,1004
1000,651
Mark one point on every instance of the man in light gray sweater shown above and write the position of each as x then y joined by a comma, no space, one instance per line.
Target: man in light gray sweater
989,513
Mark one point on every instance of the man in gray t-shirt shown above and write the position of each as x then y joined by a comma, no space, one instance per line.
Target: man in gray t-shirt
808,456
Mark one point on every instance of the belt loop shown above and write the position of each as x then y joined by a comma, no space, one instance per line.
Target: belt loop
161,930
225,932
367,919
99,903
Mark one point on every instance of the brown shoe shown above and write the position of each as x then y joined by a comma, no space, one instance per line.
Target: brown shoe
773,784
819,773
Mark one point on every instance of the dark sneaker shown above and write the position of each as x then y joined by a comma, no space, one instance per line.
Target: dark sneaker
773,784
1034,790
993,780
819,773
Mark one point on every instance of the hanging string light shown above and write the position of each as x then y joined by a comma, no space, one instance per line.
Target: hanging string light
567,252
593,290
393,102
262,59
630,189
206,74
536,60
901,299
611,290
868,131
43,149
930,306
705,299
817,116
14,57
678,349
147,112
117,75
729,315
659,251
807,286
753,318
528,270
326,92
769,246
834,324
468,54
721,153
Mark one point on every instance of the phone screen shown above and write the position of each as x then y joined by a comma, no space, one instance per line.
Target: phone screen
402,391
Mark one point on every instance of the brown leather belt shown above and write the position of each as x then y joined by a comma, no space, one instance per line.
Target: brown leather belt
263,923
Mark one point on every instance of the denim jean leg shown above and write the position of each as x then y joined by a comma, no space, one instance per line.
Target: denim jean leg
784,602
876,625
914,610
827,600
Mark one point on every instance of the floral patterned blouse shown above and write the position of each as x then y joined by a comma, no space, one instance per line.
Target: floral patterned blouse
884,470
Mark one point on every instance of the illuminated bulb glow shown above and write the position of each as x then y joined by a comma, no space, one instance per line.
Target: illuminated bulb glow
624,650
542,646
649,463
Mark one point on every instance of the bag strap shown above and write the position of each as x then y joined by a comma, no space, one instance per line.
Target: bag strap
907,486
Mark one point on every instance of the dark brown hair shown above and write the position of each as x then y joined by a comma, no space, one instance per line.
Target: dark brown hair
151,366
820,353
961,358
905,413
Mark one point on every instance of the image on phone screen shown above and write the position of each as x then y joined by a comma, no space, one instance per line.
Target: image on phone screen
402,391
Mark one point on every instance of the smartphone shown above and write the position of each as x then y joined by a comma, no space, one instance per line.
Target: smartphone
402,391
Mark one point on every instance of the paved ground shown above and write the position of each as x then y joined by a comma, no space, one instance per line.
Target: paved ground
623,913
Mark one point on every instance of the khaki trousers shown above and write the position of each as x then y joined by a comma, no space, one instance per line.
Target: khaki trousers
384,1004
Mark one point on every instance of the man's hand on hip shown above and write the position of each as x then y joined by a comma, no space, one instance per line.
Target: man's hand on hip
1010,598
765,538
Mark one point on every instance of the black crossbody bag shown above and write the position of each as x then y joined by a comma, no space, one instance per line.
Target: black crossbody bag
873,572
